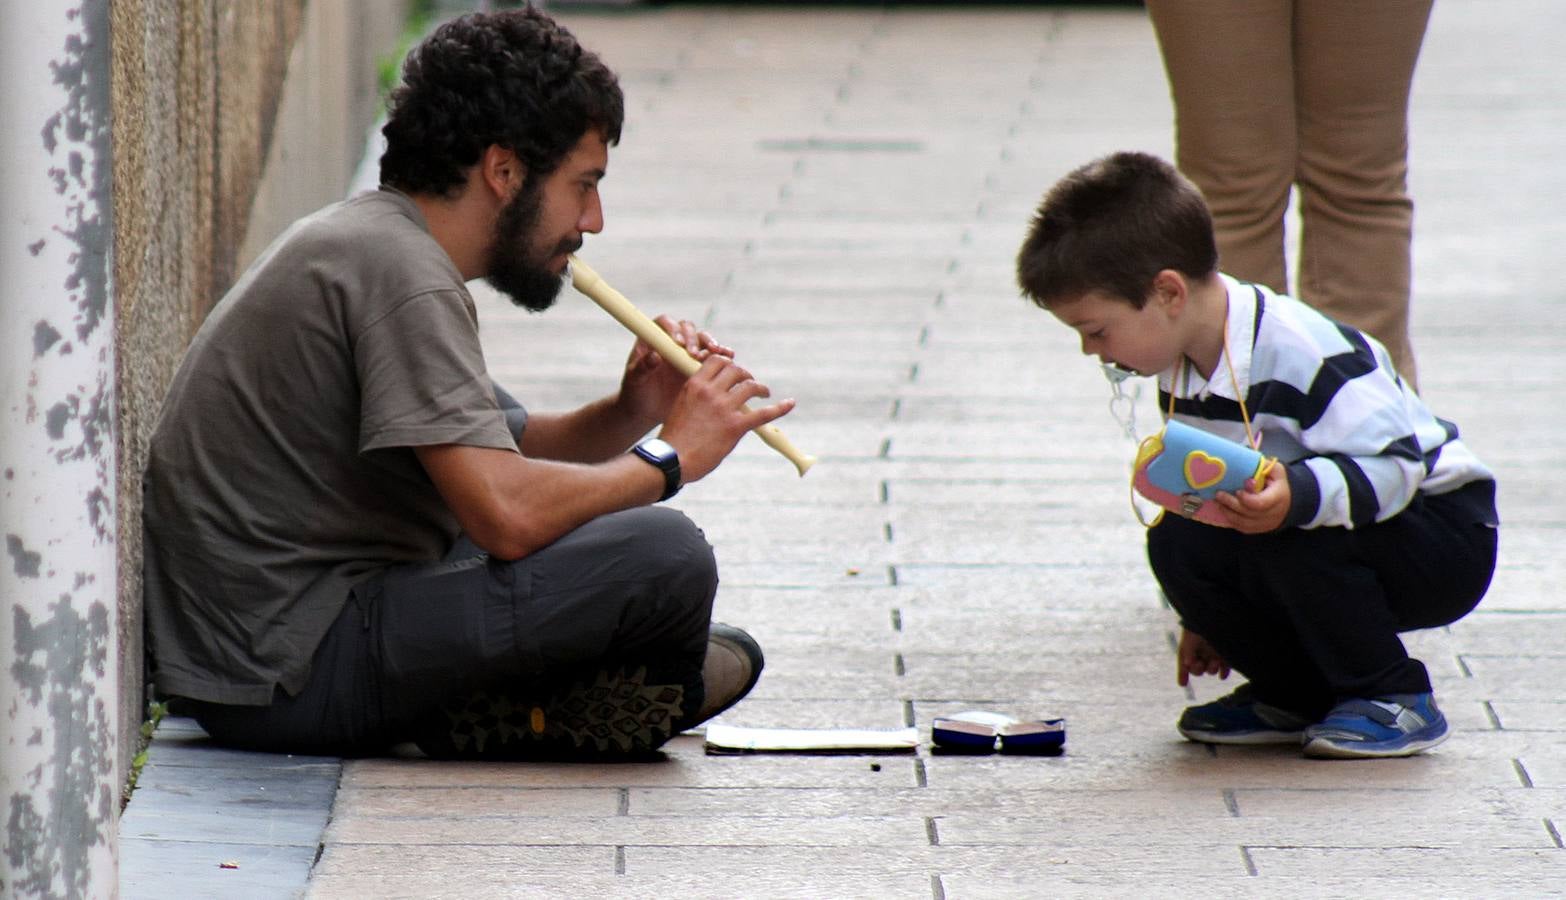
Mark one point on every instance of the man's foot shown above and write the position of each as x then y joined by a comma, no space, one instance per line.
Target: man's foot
1238,718
1395,725
733,666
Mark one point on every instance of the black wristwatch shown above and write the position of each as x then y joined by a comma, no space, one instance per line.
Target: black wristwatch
658,452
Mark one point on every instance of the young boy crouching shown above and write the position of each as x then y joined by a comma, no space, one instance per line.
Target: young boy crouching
1378,519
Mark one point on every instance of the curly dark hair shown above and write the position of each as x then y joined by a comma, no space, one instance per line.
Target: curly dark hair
1112,226
512,78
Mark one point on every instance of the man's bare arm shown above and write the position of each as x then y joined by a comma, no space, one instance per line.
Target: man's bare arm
511,505
594,433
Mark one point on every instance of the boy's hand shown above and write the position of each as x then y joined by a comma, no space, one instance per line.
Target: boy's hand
1257,512
1197,657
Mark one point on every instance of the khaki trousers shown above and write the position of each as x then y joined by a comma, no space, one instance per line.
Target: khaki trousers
1273,94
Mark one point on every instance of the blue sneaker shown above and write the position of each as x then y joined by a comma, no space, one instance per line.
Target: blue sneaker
1395,725
1238,718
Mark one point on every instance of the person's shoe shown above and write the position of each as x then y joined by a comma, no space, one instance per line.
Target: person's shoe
733,666
1395,725
1238,718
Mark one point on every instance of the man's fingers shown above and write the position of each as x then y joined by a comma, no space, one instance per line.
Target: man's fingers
755,417
698,343
729,376
709,345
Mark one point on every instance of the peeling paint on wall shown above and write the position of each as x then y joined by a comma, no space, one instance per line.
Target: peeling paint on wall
57,664
25,559
58,700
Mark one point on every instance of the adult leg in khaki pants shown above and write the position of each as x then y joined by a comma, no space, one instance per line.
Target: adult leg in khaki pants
1270,94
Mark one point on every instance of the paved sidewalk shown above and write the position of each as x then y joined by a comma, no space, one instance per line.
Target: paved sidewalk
839,193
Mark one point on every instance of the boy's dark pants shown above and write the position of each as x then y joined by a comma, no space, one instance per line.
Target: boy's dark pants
1311,616
631,588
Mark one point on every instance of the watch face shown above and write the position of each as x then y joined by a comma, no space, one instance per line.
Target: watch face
659,449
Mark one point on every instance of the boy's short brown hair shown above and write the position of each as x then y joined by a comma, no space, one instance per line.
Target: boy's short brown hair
1111,226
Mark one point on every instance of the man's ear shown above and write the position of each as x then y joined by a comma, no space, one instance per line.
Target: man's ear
501,171
1171,291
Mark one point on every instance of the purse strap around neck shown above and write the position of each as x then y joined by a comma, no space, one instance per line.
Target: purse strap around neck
1239,395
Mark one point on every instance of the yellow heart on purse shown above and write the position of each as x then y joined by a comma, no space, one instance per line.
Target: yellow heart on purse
1203,470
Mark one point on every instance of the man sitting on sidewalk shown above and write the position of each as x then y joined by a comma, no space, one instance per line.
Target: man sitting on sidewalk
354,539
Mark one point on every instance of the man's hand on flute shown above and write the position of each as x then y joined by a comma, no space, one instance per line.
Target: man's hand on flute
650,382
658,337
710,414
703,415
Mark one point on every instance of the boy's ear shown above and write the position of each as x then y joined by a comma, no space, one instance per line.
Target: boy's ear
501,171
1170,290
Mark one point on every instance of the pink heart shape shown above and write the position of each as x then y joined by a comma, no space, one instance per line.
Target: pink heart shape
1202,470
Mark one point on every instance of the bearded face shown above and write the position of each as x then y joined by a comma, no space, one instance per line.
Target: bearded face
518,256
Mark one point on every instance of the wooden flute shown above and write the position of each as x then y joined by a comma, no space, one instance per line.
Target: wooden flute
589,282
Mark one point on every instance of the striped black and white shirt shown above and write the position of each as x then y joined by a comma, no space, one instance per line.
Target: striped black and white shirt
1358,442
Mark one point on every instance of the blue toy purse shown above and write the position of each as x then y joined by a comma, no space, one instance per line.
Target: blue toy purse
1182,468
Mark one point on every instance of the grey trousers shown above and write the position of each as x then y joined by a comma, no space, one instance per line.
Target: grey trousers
633,588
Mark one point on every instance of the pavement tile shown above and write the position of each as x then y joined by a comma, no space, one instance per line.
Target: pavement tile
355,871
1542,763
1122,674
1039,540
232,806
1030,638
1522,868
1315,819
1152,764
158,869
837,680
861,606
685,766
460,827
1070,881
849,867
852,571
930,802
1523,715
1518,677
419,802
1433,817
1061,859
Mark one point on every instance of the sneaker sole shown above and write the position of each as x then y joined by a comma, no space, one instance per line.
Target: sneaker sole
618,714
1249,738
1326,748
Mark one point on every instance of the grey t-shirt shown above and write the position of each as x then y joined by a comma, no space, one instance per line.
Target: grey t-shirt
280,472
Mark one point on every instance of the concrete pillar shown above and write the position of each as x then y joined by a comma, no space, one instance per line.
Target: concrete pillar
59,794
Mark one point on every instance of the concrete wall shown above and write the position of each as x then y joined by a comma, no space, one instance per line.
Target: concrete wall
329,103
231,117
